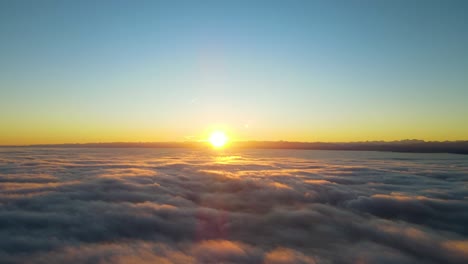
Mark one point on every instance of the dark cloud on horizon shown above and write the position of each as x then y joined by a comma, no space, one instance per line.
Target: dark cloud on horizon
256,206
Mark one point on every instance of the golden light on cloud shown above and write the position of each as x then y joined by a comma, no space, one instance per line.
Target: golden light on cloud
218,139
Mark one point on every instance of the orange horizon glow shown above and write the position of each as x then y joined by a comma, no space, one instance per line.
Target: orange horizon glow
22,133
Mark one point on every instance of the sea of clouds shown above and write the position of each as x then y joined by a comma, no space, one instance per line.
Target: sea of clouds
252,206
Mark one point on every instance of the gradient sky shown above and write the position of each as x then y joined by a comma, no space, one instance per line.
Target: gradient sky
100,71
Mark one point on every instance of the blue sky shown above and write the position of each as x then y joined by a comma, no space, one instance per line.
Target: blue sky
81,71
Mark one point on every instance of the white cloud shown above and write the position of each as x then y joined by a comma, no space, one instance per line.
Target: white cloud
186,206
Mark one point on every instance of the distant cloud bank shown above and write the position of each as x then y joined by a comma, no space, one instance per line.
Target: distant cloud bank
250,206
411,146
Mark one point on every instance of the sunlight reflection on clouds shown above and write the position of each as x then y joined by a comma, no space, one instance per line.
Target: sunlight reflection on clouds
256,206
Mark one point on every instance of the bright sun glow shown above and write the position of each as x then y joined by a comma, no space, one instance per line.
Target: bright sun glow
218,139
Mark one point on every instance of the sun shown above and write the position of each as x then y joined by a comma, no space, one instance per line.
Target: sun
218,139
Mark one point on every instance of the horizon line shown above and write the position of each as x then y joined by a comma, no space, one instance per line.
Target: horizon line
406,145
239,141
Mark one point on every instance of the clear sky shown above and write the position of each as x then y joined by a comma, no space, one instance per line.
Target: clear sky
100,71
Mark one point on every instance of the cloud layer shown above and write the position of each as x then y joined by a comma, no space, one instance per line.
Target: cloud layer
252,206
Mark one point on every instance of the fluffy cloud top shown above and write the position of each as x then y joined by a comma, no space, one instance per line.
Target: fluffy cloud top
253,206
